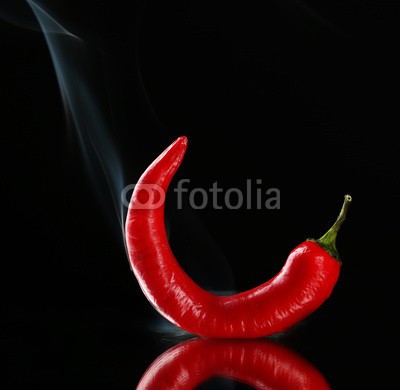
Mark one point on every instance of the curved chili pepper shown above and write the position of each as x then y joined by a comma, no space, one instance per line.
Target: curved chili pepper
262,364
297,290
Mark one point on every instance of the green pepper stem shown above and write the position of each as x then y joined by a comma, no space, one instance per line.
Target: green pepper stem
328,240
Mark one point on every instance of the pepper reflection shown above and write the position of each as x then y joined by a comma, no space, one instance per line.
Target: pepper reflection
262,364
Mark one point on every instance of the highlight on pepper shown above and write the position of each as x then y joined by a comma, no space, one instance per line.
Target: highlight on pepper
304,283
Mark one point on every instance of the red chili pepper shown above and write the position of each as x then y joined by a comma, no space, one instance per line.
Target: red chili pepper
262,364
303,284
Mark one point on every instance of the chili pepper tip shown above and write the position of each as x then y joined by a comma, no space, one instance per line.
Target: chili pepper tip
183,140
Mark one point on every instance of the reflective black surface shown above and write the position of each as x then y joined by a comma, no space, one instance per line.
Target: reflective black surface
301,96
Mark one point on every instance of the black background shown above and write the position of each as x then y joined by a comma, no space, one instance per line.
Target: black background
301,95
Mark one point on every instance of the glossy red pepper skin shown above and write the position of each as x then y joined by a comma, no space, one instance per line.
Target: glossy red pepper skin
262,364
303,284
